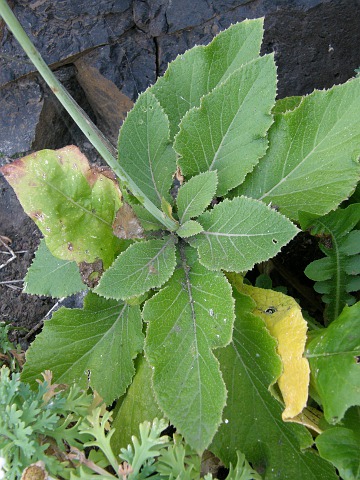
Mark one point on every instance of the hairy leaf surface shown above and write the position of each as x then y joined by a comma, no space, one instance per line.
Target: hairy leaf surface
239,233
188,318
252,417
139,405
337,274
227,133
141,267
333,356
189,228
341,445
195,195
92,346
73,205
282,316
199,70
145,152
312,161
51,276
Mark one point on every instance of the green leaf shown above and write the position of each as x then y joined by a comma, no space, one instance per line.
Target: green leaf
333,356
239,233
189,228
252,417
73,204
337,274
142,266
286,104
312,161
145,151
341,445
195,195
46,275
139,405
95,345
227,132
242,470
189,317
199,70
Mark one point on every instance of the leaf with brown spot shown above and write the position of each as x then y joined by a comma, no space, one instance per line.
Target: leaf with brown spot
73,204
126,224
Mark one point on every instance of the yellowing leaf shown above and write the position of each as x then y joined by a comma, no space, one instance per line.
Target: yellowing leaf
285,322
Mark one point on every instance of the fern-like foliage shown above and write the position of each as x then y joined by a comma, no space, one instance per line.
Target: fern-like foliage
337,274
32,421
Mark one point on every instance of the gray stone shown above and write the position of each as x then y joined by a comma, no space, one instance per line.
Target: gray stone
19,115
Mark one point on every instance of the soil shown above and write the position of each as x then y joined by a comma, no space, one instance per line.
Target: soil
104,50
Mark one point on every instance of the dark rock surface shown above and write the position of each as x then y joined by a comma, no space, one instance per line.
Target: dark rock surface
106,52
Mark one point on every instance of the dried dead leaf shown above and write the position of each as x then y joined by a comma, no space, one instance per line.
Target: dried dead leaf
285,322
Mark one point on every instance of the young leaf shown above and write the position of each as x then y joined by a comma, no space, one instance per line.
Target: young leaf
195,195
252,416
139,405
239,233
199,70
227,132
141,267
73,205
282,316
341,445
333,356
311,164
46,275
145,152
189,317
338,273
95,345
189,228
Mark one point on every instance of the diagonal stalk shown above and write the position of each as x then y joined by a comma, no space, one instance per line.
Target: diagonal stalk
93,134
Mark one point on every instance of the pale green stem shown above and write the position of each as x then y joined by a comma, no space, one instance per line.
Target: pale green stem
102,145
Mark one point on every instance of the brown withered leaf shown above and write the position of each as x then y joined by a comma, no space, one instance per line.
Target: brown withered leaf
91,272
126,224
107,101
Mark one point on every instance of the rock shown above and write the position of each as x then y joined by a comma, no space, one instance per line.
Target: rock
19,114
61,30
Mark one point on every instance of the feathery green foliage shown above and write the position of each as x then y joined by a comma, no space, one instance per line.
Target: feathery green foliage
337,274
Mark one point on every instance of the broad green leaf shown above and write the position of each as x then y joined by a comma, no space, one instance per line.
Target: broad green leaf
73,204
139,405
283,318
333,356
239,233
189,228
341,445
227,133
252,417
145,152
199,70
51,276
142,266
338,273
286,104
195,195
187,319
312,161
92,346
